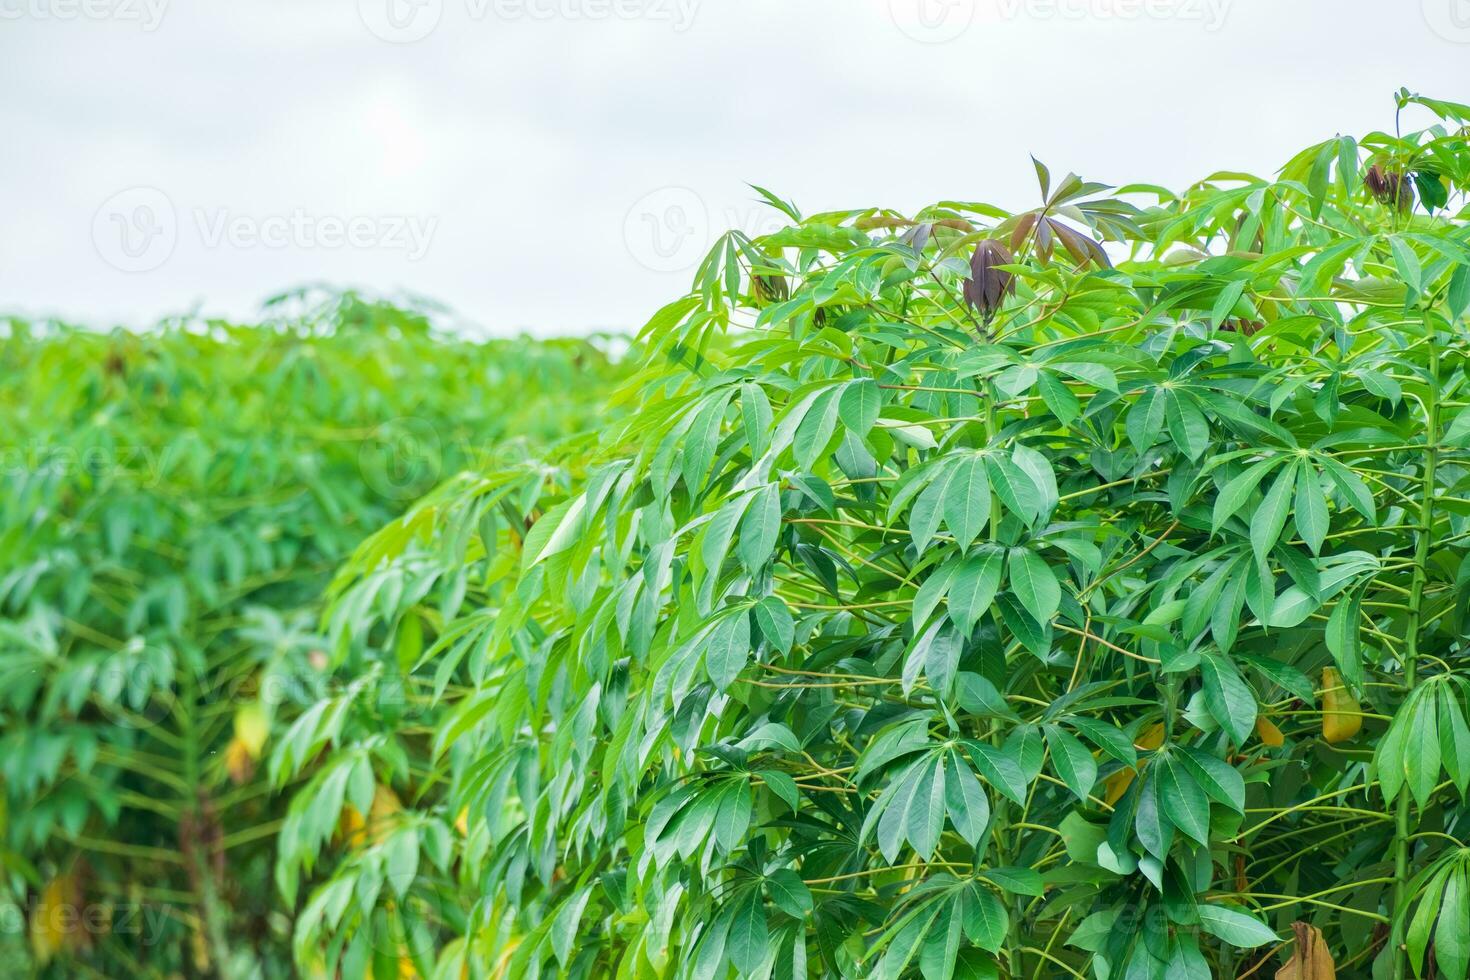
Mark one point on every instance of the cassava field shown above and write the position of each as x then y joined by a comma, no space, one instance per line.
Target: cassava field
1072,591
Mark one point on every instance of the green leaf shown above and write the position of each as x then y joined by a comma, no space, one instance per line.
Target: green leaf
1183,801
1017,881
985,918
1342,637
859,405
1457,300
1411,274
926,809
1220,780
999,769
966,499
1073,763
1146,420
759,528
402,860
1421,748
816,429
1227,696
977,695
927,511
1225,302
1452,934
775,623
1187,424
1235,927
1270,517
1155,830
1058,398
749,935
1454,739
974,587
789,893
1096,375
1234,494
1111,739
1034,584
965,800
756,417
932,591
1042,476
1351,486
783,786
1015,488
1311,508
1186,962
1424,917
728,650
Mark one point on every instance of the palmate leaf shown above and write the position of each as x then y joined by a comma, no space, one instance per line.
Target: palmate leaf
914,806
1428,734
1233,495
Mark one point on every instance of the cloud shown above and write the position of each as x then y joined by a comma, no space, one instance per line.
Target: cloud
532,132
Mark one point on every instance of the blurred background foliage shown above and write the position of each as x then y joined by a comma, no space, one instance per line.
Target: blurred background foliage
175,502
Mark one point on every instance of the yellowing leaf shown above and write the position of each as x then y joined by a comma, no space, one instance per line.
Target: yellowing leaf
1117,784
252,728
1151,738
239,761
357,831
56,919
1342,715
1268,733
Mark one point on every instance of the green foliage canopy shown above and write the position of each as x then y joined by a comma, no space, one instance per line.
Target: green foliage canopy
1093,608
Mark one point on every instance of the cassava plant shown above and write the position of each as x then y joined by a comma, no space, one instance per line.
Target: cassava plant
1072,592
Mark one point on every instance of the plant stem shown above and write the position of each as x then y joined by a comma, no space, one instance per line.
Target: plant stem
210,908
1402,829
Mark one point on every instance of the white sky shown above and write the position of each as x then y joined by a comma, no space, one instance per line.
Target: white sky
560,165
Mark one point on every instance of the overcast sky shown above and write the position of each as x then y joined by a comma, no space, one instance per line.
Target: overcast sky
561,165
